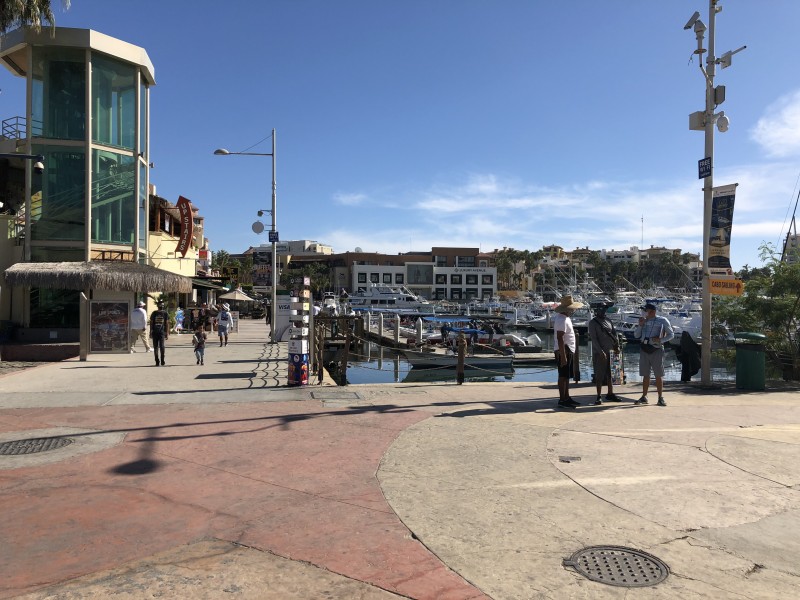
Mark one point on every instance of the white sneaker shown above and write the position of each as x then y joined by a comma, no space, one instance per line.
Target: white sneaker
149,350
132,350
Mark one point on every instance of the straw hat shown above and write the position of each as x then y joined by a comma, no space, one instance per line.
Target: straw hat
226,307
567,303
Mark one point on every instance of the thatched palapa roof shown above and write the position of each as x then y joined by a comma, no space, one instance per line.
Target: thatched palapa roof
122,276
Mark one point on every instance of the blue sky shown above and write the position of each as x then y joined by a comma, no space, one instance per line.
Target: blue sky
406,125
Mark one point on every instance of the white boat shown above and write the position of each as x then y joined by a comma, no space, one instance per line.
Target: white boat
429,360
387,298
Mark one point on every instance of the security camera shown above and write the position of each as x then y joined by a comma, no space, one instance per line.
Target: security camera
692,20
38,167
723,122
261,213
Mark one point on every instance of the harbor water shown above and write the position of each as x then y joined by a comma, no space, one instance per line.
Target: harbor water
372,364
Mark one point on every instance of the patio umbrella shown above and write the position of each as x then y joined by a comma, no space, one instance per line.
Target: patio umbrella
236,295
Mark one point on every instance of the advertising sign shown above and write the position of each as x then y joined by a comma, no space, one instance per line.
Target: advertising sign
109,326
727,287
719,237
187,225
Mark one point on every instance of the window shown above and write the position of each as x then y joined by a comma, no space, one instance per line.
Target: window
465,261
472,280
362,278
52,308
455,294
455,279
387,278
58,98
113,198
441,279
487,280
440,261
113,102
58,202
398,278
487,293
374,277
472,293
440,294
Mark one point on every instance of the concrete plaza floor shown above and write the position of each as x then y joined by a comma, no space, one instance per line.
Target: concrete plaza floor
218,481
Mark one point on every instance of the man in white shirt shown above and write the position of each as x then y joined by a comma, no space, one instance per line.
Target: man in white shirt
564,347
138,327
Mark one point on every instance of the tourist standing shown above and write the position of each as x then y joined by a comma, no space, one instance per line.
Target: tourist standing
224,324
564,344
604,341
654,332
159,331
139,327
199,341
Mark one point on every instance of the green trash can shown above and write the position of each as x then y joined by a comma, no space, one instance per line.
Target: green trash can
750,361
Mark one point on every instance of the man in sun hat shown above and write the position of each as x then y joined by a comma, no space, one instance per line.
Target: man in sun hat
224,324
139,327
564,344
654,332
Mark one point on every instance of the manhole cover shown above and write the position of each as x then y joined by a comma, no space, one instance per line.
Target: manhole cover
33,446
617,565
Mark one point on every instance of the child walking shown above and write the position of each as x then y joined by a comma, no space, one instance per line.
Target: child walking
199,341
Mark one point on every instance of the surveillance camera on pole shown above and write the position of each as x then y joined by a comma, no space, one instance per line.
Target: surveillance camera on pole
692,20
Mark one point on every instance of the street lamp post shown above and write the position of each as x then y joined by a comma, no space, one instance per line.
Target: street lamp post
273,233
705,121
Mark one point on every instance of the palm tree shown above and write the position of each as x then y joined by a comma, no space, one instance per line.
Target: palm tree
33,13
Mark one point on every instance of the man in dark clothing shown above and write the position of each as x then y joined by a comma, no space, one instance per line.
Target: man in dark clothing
159,332
604,342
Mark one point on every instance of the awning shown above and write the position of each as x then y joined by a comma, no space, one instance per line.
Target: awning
202,284
117,275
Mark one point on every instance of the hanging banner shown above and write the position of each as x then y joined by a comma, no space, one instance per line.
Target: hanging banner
184,207
719,238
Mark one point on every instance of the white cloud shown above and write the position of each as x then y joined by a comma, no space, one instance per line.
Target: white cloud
349,199
488,212
778,131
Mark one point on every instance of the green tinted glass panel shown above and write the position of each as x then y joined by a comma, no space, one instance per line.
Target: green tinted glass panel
143,119
113,198
113,102
59,93
51,254
58,198
142,206
55,308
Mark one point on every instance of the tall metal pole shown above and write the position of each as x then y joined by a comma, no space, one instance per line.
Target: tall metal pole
274,307
705,355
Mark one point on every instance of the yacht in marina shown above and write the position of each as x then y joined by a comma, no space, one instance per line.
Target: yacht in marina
388,298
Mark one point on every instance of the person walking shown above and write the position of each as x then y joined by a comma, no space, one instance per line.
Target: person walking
224,323
564,344
654,332
199,341
604,339
139,327
159,331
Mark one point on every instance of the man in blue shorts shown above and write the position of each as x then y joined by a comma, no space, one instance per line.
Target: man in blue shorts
654,332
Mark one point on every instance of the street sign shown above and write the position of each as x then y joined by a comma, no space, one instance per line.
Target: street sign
727,287
704,168
273,236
